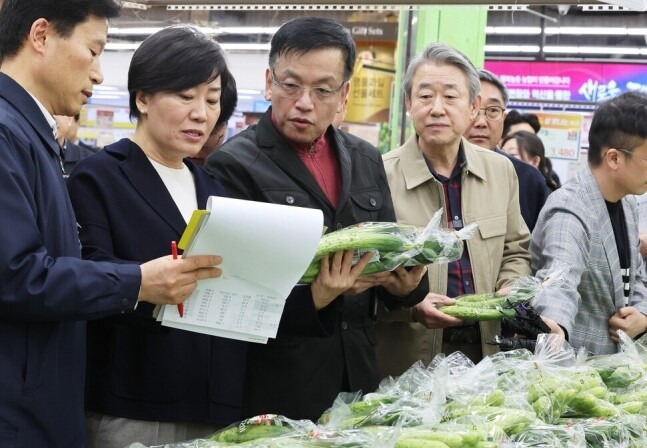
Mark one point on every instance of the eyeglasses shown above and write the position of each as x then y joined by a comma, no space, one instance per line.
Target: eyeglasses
626,151
492,113
291,90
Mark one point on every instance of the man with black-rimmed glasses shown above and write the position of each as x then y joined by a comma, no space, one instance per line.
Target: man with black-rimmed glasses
294,156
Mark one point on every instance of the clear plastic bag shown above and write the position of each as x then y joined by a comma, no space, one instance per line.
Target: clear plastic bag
393,245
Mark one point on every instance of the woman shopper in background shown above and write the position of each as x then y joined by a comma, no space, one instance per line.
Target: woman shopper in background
529,148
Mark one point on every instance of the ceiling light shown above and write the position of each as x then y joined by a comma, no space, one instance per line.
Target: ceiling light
512,48
135,31
116,46
594,50
246,29
246,47
526,30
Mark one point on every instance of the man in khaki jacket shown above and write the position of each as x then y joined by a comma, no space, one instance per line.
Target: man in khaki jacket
437,168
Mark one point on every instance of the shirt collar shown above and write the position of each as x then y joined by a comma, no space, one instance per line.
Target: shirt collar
50,119
458,168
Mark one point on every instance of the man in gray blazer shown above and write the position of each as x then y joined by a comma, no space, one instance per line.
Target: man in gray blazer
591,226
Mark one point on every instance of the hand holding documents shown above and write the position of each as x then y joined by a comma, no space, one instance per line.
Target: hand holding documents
265,249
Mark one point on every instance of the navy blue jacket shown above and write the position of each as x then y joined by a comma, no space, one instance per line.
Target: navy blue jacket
533,190
136,367
46,290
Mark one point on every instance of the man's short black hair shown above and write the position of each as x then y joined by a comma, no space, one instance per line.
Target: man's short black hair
228,101
515,117
175,59
304,34
619,123
17,17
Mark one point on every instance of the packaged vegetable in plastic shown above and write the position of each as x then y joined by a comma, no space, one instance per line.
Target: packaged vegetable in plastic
392,245
259,427
495,306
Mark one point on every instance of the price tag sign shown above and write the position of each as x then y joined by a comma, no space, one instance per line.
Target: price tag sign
561,134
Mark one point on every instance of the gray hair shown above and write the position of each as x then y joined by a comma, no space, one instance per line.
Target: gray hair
443,54
486,75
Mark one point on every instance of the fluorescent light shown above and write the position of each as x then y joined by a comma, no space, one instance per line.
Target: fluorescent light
246,97
566,30
526,30
122,46
100,96
594,50
246,47
249,91
106,88
587,30
135,31
246,29
512,48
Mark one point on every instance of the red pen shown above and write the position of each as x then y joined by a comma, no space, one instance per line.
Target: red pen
180,306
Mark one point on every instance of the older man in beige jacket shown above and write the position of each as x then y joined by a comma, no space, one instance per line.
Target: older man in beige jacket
438,169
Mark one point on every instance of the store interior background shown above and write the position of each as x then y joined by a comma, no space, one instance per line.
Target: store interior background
597,49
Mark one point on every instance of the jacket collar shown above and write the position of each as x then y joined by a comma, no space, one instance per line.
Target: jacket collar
145,180
16,95
285,156
599,208
416,171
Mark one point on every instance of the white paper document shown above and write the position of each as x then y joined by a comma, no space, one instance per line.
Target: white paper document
265,249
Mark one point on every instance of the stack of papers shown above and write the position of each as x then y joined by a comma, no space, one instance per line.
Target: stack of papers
265,250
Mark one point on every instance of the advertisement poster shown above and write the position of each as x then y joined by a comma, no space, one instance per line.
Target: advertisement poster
569,81
369,99
560,132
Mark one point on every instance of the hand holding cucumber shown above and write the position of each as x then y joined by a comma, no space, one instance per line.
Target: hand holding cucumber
336,276
404,282
427,313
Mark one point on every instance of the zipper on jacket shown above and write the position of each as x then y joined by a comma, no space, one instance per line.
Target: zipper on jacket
312,148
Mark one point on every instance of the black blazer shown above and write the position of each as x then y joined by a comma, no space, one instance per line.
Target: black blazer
533,190
137,368
300,376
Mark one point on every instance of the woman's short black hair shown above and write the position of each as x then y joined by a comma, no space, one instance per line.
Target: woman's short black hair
174,59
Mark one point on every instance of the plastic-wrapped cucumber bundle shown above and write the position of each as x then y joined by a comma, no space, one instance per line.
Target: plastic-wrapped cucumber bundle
392,245
265,426
495,306
624,432
554,436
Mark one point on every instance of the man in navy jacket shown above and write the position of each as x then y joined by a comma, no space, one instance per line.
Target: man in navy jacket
50,63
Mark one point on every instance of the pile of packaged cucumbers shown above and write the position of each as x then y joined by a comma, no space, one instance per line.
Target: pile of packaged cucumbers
554,398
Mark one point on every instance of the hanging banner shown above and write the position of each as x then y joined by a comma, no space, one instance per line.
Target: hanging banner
568,81
560,132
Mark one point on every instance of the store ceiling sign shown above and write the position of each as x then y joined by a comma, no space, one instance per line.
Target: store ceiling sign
373,31
569,81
